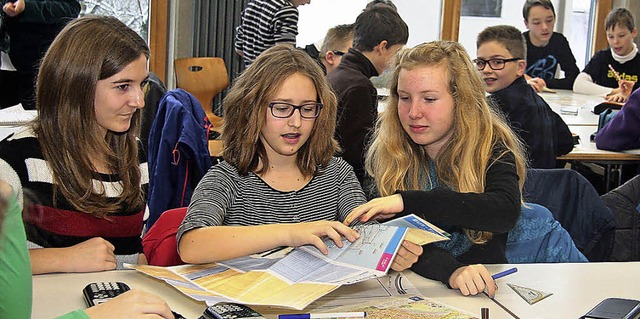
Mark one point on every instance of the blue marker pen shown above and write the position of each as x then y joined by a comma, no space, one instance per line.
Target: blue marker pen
504,273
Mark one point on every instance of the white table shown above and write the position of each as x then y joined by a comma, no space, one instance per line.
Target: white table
576,288
580,102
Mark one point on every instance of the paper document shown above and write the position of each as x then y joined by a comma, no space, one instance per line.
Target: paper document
16,115
415,307
301,276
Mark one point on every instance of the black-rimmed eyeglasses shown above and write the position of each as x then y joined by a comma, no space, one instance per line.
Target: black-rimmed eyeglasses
494,64
337,52
284,110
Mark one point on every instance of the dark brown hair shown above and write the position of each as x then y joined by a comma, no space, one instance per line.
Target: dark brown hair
88,49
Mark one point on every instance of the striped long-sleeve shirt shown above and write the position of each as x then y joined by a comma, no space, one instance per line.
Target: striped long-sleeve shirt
264,24
223,197
50,225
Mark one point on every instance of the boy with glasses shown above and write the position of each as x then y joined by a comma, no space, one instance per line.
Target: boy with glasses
337,42
501,63
546,50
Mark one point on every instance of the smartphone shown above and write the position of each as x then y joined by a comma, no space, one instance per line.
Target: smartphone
230,311
615,308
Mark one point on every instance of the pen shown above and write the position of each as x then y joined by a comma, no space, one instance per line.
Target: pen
484,312
504,273
324,315
615,73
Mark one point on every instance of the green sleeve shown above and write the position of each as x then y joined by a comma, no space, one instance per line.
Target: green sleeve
78,314
15,267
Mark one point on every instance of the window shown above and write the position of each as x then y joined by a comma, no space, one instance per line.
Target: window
422,17
134,13
571,20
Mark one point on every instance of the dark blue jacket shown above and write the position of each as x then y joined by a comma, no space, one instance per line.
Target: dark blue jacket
544,133
178,152
576,205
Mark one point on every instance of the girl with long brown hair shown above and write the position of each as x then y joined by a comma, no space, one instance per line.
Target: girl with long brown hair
79,159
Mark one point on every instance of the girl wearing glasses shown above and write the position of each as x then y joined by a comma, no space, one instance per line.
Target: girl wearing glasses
440,151
279,184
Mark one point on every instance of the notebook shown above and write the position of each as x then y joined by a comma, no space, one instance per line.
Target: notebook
16,115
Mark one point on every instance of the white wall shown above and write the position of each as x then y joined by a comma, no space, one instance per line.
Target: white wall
422,17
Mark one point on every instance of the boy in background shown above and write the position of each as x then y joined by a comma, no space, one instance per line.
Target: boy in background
379,33
337,42
501,52
546,50
597,78
266,23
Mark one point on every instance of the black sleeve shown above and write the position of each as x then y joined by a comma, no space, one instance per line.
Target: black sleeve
567,64
496,209
50,11
564,139
355,126
593,68
436,263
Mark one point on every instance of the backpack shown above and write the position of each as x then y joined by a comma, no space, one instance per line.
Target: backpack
606,116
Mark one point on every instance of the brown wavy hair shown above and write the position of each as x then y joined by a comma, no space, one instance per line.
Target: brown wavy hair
87,50
246,104
398,164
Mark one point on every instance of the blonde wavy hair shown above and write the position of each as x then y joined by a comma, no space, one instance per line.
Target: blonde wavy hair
397,163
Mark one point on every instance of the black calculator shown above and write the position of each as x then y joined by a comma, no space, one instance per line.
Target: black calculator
230,311
100,292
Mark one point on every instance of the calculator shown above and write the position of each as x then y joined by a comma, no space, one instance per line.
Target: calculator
230,311
100,292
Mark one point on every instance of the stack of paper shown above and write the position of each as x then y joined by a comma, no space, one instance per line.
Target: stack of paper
301,276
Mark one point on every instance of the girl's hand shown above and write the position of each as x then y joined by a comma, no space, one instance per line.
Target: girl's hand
95,254
380,208
132,304
472,280
407,256
311,233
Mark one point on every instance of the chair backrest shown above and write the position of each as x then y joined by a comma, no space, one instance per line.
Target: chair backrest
159,243
539,238
577,206
204,77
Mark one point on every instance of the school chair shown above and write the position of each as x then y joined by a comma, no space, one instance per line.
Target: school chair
539,238
204,77
159,243
577,206
624,204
